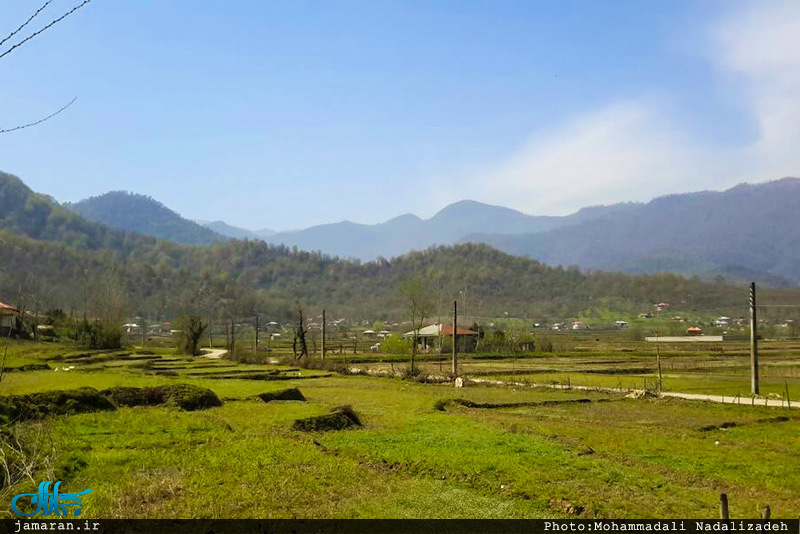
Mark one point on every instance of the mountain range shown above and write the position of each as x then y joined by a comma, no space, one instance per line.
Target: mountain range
749,232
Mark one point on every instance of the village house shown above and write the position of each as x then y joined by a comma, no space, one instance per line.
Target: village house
7,314
431,337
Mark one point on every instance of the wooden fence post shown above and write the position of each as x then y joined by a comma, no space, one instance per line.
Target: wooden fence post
723,506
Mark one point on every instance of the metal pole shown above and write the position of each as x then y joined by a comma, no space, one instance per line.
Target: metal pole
455,338
753,341
324,326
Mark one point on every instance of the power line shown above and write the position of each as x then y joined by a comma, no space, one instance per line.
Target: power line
12,34
52,23
15,128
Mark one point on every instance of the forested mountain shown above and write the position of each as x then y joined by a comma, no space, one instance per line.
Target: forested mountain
408,232
145,216
38,216
64,260
747,232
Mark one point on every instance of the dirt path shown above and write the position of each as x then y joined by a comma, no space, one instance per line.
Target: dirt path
743,401
214,354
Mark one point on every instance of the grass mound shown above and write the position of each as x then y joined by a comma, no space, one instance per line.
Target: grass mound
40,405
186,396
339,418
29,367
284,394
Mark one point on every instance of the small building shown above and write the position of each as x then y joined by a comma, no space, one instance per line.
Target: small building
621,324
430,336
577,325
7,315
661,306
694,331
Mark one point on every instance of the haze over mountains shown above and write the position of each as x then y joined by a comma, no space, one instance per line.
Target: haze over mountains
747,232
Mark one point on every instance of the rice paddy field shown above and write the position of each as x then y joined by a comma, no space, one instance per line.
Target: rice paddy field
503,449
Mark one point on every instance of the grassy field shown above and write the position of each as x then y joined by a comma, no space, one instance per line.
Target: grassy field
416,455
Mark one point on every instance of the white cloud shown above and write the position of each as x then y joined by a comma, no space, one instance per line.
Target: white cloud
634,151
762,42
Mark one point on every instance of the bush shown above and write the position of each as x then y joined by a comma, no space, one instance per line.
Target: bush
544,344
44,404
185,396
394,344
284,394
340,418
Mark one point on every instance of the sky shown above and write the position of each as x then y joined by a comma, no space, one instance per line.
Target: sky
286,114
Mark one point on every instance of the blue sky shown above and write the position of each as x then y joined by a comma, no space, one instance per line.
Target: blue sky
288,114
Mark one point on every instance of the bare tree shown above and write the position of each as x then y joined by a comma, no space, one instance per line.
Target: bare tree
14,40
419,305
300,335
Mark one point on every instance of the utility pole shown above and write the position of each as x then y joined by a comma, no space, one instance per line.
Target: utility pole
324,331
455,338
658,361
144,331
256,334
753,341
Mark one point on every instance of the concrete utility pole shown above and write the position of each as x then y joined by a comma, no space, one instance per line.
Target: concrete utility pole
324,329
455,338
753,341
658,362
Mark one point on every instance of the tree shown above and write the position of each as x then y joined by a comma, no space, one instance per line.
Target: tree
419,307
191,330
109,305
300,334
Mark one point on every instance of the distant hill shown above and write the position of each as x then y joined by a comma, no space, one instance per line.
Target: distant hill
227,230
24,212
749,231
408,232
235,232
145,216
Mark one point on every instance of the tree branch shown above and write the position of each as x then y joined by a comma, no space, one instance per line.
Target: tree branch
22,127
12,34
34,34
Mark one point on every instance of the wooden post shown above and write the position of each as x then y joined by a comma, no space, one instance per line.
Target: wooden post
753,341
455,338
788,400
144,330
324,326
723,506
256,334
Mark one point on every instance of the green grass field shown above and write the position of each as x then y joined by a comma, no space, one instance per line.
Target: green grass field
608,457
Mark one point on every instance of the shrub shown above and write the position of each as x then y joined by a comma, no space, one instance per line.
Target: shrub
339,418
394,344
284,394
